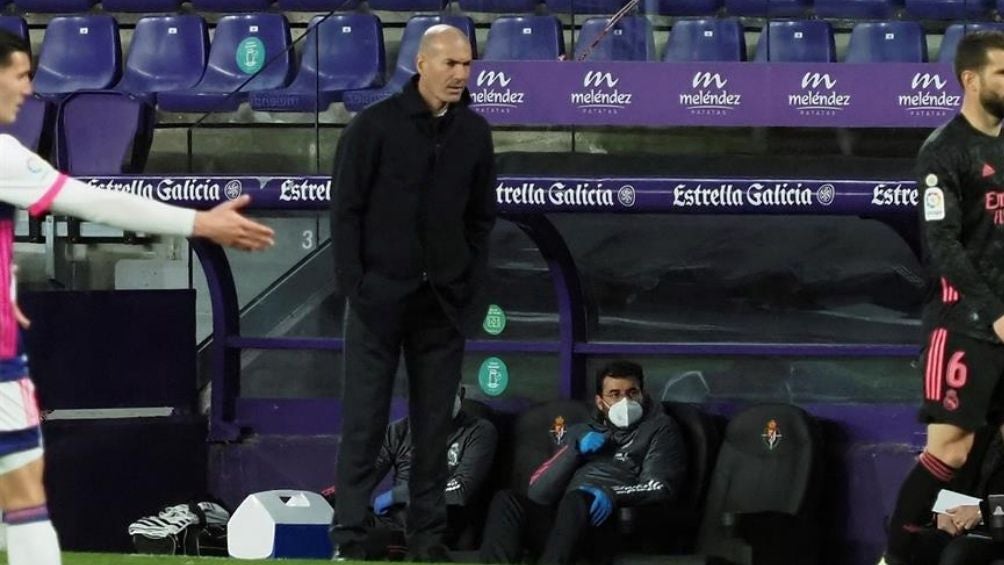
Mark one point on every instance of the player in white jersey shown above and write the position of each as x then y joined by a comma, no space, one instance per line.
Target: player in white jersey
27,181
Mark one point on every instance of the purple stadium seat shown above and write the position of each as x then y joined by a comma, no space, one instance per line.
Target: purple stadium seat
32,122
356,100
681,7
54,6
949,9
407,5
166,53
103,133
499,6
317,5
143,6
231,5
764,8
351,57
584,6
243,45
706,40
864,9
885,42
513,38
78,53
16,25
954,33
798,41
630,40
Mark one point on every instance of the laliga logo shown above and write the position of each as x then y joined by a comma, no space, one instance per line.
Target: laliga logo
705,80
814,80
488,78
596,79
925,80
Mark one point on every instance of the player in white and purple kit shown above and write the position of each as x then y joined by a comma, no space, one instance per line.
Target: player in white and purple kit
27,181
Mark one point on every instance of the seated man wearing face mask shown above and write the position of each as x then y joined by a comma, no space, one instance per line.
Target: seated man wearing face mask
630,454
471,450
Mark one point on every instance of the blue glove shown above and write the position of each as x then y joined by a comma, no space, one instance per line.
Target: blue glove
383,502
591,442
601,507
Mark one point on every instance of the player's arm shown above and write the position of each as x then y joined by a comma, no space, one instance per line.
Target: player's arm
941,224
28,181
480,213
472,469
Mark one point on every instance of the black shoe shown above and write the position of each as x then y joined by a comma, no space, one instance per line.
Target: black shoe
350,551
431,554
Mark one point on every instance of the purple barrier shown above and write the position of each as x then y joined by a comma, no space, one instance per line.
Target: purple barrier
715,94
570,194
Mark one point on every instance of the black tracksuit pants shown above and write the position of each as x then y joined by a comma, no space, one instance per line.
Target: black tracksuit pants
433,352
555,534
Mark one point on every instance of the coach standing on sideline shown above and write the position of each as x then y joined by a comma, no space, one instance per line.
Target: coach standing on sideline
413,206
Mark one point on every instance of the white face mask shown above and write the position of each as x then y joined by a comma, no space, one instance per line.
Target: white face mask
456,405
624,413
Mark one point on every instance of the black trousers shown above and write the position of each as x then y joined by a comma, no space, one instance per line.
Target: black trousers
433,352
931,546
556,534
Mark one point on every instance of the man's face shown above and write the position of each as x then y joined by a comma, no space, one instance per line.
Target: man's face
15,85
445,68
990,84
616,388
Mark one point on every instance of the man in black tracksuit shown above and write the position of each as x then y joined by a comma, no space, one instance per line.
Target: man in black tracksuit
961,184
412,208
469,458
631,454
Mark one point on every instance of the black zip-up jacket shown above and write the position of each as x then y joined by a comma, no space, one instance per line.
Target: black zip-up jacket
469,458
644,464
414,200
961,184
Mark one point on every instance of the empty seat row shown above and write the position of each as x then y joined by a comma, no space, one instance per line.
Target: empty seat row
924,9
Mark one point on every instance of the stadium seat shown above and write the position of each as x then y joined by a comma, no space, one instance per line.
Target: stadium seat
317,5
231,5
356,100
630,39
765,485
681,7
142,6
524,38
584,6
857,9
706,40
407,5
103,133
765,8
32,124
351,57
54,6
954,33
538,432
166,53
948,9
885,42
797,41
499,6
16,25
78,52
242,46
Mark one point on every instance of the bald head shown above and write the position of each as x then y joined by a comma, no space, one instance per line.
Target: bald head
439,36
444,65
